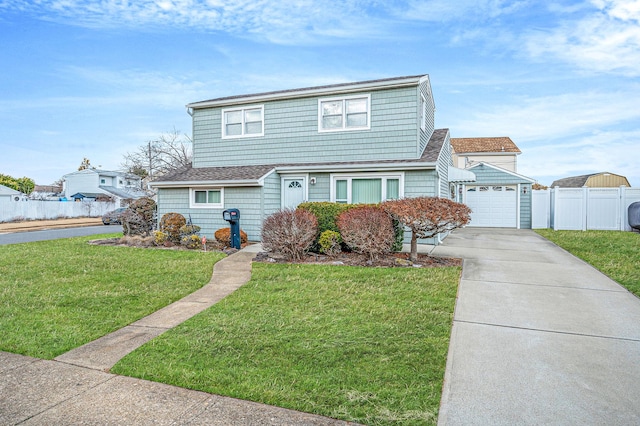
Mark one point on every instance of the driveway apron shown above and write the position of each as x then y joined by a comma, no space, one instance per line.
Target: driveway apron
539,336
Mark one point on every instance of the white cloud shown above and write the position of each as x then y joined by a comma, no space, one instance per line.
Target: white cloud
606,40
284,22
612,151
553,117
447,10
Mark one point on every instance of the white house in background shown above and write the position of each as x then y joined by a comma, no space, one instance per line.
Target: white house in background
499,151
10,194
92,184
499,197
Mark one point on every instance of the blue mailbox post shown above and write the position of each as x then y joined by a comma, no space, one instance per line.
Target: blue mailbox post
233,217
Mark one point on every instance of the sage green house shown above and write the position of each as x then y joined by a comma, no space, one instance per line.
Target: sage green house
362,142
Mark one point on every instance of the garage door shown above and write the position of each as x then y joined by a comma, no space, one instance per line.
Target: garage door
493,206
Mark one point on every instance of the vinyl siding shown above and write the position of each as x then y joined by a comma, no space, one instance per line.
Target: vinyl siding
291,134
444,161
425,135
247,199
321,190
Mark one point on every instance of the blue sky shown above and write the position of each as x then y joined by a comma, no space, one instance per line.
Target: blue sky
97,79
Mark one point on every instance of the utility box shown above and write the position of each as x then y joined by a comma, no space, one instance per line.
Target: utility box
233,217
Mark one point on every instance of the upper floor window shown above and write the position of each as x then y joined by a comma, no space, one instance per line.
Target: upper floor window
243,122
346,113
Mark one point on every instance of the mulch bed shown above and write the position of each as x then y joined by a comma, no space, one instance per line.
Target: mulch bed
355,259
344,258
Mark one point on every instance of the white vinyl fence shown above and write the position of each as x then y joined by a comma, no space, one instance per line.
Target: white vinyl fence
11,211
583,209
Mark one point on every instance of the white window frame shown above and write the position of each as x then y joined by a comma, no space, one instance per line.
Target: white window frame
194,205
243,109
344,127
350,176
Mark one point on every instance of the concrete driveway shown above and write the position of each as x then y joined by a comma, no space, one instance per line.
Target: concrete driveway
539,336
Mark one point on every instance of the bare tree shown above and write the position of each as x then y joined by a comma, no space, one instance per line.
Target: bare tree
169,152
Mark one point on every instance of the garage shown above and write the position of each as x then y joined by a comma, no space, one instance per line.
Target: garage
493,205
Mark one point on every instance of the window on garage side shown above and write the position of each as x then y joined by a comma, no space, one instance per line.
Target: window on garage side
206,198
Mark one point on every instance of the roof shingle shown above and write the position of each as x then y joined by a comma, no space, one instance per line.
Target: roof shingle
495,144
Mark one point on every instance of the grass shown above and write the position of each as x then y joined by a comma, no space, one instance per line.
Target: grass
615,253
58,295
362,344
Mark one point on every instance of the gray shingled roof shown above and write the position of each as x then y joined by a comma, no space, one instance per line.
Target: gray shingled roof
256,172
572,181
329,86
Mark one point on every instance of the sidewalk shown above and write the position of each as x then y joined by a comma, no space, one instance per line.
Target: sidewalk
539,337
38,225
76,389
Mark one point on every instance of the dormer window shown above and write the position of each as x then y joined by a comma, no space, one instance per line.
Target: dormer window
345,113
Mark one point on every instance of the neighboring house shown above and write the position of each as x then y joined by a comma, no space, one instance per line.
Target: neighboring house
92,184
500,197
594,180
10,194
46,192
361,142
499,151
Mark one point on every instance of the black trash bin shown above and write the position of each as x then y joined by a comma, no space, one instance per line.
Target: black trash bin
634,215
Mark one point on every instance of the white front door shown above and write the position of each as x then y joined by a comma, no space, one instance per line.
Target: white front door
293,191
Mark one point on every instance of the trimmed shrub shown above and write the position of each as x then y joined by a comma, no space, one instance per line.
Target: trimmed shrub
327,214
188,230
427,217
330,243
223,236
289,232
367,230
159,238
171,224
138,219
192,241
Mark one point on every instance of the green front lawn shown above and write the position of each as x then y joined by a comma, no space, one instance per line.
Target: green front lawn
362,344
615,253
58,295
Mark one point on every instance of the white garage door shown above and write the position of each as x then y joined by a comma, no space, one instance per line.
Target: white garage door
493,206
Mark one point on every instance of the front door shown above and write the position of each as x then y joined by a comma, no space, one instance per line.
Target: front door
293,192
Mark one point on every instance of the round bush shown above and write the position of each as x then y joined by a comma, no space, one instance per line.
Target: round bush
171,224
289,232
223,236
330,243
367,230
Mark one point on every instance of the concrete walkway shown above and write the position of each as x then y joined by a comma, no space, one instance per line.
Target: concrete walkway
76,388
539,337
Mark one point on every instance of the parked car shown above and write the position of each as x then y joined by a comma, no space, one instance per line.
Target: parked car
113,217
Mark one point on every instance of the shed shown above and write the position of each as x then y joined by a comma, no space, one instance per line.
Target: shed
593,180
